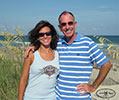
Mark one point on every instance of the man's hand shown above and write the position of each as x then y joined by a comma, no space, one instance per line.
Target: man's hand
85,88
28,49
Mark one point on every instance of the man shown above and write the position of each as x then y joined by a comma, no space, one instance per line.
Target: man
77,55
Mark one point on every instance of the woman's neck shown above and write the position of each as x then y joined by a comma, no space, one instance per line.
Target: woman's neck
45,50
46,53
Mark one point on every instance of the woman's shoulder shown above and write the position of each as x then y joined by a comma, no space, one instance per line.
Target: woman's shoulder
31,53
56,51
30,56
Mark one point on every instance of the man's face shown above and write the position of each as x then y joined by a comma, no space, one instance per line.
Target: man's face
67,25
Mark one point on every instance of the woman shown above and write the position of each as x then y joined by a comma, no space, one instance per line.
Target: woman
40,69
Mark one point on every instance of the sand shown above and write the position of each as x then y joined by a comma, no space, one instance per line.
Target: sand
109,89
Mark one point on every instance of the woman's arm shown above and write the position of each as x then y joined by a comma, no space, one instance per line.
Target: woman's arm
24,77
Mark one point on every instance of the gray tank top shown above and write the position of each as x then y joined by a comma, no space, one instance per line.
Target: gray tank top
42,78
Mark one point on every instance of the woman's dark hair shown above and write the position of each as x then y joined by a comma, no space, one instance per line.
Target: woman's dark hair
33,34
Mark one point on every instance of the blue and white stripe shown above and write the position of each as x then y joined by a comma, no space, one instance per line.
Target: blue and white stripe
76,63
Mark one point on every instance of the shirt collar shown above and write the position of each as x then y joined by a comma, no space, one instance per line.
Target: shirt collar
77,39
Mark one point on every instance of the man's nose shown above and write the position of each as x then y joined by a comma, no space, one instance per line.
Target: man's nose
67,26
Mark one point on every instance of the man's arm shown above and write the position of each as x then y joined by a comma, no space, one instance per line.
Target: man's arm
87,88
28,49
102,74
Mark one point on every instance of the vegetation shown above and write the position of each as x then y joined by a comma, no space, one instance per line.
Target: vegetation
112,48
11,60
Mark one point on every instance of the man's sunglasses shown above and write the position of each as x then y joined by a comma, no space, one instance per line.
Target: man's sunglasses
42,34
69,23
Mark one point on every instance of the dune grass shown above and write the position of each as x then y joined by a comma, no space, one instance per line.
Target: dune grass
10,71
11,60
112,49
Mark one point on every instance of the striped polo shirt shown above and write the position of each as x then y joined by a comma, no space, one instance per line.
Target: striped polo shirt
76,63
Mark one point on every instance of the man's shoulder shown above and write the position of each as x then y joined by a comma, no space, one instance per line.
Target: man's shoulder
85,38
82,37
60,40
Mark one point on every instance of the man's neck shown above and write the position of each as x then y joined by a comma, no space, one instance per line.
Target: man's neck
70,39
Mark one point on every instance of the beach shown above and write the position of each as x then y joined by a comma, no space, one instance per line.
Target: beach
109,89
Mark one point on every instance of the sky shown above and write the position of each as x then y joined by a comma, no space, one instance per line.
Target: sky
94,17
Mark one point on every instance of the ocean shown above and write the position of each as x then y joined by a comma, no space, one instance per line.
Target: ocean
114,39
103,47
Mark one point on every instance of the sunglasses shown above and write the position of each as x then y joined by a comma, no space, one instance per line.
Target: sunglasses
69,23
42,34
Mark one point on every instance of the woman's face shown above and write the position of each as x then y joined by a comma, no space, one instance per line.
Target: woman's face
45,36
